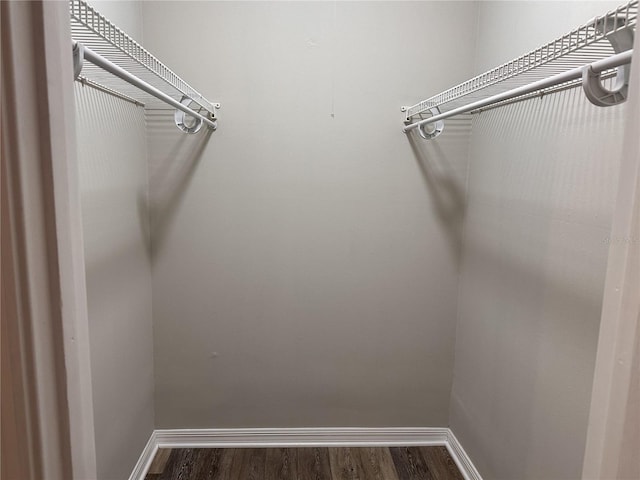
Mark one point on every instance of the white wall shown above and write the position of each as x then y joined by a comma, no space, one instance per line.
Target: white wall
125,14
542,182
305,242
112,161
113,183
613,438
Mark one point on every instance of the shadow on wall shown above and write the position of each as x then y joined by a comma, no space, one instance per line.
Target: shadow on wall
113,175
171,169
445,183
541,191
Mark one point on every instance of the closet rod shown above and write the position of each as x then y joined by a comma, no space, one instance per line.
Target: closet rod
573,74
114,69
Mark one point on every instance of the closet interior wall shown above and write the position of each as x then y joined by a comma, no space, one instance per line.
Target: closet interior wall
313,266
542,185
305,257
112,158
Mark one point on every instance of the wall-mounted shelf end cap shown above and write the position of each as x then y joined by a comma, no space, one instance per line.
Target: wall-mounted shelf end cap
186,121
621,38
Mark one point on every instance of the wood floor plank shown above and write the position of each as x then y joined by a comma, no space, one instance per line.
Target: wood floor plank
345,464
236,463
397,463
281,464
180,465
248,464
214,464
159,461
313,464
376,463
410,464
441,464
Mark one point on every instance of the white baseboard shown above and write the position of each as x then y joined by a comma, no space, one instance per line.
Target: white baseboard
303,437
464,463
299,437
146,457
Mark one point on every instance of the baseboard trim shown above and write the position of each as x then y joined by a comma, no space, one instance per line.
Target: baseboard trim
303,437
463,461
299,437
146,457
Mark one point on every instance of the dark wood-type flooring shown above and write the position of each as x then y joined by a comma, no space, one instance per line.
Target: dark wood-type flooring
340,463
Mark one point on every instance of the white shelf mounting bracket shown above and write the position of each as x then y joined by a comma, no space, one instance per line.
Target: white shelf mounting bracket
188,123
431,130
594,90
78,59
426,131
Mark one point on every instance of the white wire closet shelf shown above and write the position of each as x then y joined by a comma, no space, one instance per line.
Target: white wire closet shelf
595,55
115,63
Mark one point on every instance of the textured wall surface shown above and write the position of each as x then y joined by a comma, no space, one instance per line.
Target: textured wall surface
305,255
542,184
112,158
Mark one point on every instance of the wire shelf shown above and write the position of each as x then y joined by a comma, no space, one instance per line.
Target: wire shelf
96,32
585,44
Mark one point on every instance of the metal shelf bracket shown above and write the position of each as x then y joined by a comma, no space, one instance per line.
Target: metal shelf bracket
594,90
434,129
78,59
190,124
